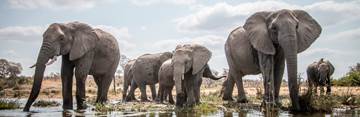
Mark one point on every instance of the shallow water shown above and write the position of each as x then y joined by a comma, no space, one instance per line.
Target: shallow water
58,111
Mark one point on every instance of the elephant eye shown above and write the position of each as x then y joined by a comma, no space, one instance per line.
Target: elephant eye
297,25
273,28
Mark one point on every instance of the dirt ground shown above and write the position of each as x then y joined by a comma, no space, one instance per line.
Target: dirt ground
51,88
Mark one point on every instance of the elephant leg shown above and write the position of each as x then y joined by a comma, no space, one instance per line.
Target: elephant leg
189,87
106,81
143,92
311,85
197,86
131,92
98,84
153,91
67,72
315,89
160,97
241,92
278,74
321,90
125,88
197,94
171,100
80,90
82,69
229,87
266,63
328,87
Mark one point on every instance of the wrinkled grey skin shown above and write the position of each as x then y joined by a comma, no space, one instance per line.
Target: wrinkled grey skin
319,74
189,62
166,81
263,44
128,78
145,72
85,51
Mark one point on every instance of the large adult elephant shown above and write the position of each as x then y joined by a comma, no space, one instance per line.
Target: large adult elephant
263,44
166,80
128,78
145,72
189,62
85,51
319,74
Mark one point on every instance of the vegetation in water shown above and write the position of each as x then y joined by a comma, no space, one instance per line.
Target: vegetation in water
46,103
9,104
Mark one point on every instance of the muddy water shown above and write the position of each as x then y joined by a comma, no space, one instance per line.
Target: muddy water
58,111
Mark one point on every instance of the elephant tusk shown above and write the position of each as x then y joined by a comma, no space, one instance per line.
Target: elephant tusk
33,66
52,60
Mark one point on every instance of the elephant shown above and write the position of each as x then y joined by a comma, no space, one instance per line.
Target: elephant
262,45
166,81
85,51
128,78
319,74
189,63
145,72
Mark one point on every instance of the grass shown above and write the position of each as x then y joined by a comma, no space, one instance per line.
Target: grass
45,103
9,104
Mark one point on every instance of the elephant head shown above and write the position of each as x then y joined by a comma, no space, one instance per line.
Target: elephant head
188,59
325,70
287,31
72,39
165,56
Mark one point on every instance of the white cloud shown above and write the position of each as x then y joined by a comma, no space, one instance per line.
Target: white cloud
152,2
121,34
348,35
224,16
212,42
53,4
21,33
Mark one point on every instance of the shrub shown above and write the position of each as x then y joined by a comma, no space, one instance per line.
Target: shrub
44,103
9,104
352,78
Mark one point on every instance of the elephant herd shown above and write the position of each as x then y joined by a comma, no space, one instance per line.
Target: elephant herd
261,45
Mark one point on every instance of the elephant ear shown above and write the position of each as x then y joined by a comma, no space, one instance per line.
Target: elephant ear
84,39
201,56
256,28
308,30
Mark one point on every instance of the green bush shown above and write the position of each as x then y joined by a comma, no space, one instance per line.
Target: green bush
9,104
351,79
45,103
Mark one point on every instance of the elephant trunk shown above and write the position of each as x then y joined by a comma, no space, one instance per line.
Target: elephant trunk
207,73
289,46
40,66
178,78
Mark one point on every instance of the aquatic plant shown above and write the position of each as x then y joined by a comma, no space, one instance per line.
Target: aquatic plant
46,103
9,104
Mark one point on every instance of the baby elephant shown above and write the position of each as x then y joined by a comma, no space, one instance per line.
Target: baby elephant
319,75
166,81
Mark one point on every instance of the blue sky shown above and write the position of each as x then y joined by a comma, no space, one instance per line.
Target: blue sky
152,26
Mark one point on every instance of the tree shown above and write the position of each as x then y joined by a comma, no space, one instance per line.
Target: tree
352,78
4,64
9,69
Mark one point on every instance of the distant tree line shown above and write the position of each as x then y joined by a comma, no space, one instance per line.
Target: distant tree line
352,78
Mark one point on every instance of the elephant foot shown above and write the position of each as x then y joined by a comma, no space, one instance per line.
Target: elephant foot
180,99
242,100
82,106
65,107
228,99
145,100
171,102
